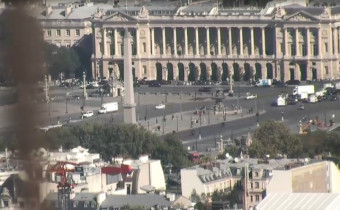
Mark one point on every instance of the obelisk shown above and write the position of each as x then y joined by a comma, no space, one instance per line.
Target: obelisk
129,97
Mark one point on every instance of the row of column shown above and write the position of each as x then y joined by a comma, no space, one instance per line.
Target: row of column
332,39
207,40
263,72
105,50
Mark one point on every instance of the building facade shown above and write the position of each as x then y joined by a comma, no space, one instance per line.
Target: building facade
284,41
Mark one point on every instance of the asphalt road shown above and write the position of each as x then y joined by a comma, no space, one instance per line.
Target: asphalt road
292,115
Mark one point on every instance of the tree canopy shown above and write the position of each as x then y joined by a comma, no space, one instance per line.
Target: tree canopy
273,138
61,60
120,140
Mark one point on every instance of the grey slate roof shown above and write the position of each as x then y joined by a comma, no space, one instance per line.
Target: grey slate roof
146,200
85,196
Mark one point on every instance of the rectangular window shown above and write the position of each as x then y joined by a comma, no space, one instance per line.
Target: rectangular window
144,47
281,47
49,33
58,32
144,70
68,45
315,50
77,32
257,185
257,197
68,32
251,198
326,70
112,49
292,50
304,50
326,47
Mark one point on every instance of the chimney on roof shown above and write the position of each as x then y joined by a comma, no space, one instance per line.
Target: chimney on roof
68,11
48,10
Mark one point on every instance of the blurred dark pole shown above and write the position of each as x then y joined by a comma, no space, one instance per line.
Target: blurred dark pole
23,57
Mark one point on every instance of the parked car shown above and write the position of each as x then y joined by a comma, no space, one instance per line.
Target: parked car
155,84
88,114
293,82
160,106
280,84
250,96
204,89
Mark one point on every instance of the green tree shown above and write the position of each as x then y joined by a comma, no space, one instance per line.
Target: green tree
274,138
125,140
60,60
194,197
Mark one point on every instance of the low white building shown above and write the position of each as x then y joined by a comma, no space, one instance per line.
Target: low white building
75,155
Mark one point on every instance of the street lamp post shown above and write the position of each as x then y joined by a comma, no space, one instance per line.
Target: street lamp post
209,116
282,117
101,94
84,87
257,119
66,111
47,98
49,108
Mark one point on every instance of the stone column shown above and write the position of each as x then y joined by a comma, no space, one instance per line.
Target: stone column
175,41
197,41
186,73
208,40
263,42
319,43
335,41
286,41
165,73
231,73
336,38
297,72
164,41
308,43
297,51
152,41
264,72
185,41
252,41
175,72
241,41
104,42
230,41
129,100
198,69
331,44
308,71
209,73
137,41
115,41
218,41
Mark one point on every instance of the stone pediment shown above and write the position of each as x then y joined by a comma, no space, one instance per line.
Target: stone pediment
119,17
300,17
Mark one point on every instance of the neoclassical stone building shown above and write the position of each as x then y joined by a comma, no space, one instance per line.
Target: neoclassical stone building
282,41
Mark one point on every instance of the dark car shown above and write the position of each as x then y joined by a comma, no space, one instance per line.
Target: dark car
155,84
280,84
204,89
293,82
95,93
